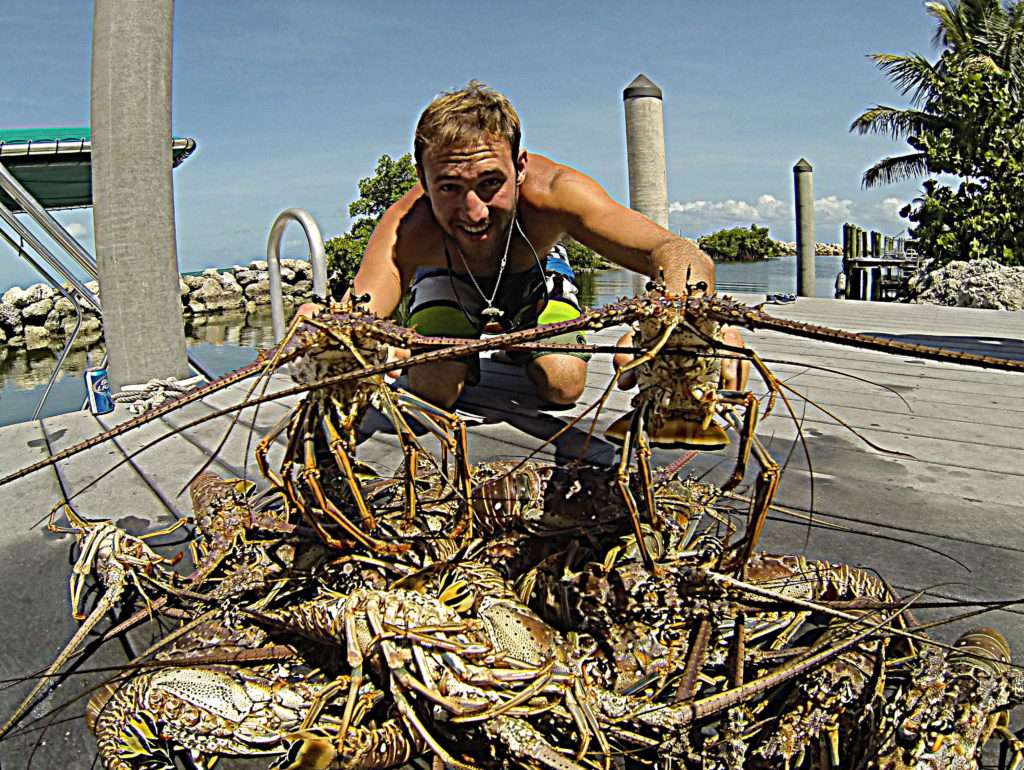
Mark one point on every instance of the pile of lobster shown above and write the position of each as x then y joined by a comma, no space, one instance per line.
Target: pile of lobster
515,612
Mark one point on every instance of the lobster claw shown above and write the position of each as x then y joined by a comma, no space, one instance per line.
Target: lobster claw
677,433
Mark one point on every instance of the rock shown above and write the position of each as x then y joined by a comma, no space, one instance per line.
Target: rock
215,296
196,307
16,341
13,297
37,310
299,289
251,307
980,283
228,282
259,291
211,272
258,265
22,298
287,275
36,337
3,336
91,327
54,322
183,288
93,286
820,249
63,306
10,318
302,269
244,276
193,282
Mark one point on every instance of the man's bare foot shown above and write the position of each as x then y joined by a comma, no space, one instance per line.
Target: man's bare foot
502,357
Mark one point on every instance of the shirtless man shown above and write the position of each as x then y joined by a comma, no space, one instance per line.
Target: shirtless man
476,237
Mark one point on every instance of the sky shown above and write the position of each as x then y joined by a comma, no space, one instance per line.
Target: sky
291,102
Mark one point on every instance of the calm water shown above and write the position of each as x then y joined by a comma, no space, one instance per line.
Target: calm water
225,342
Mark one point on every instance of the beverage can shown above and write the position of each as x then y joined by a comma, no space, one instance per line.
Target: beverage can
97,389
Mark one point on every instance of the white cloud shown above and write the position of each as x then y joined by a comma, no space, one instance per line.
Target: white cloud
766,207
77,230
766,211
890,209
831,209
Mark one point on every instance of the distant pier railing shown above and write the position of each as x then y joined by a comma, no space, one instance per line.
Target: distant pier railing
876,267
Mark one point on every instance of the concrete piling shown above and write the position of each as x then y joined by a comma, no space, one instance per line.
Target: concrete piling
133,204
804,186
645,152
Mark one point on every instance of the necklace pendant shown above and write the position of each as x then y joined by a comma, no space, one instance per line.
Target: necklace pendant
490,310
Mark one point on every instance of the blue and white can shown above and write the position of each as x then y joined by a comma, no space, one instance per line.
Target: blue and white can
97,389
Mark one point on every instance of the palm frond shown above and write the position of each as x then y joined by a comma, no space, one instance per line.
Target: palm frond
913,75
897,123
895,169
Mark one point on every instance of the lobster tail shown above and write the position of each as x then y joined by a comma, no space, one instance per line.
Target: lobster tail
677,433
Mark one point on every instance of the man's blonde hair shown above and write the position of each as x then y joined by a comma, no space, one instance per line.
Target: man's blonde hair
457,117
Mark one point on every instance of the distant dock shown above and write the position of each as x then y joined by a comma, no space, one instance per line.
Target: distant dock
944,512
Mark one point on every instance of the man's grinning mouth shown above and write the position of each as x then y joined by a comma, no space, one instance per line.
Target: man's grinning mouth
475,230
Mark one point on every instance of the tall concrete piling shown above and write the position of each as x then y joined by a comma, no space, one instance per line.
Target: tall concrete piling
133,204
645,153
804,185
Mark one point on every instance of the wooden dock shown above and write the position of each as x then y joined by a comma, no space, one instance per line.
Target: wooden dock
942,511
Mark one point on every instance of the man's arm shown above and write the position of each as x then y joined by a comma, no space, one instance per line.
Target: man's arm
624,236
381,274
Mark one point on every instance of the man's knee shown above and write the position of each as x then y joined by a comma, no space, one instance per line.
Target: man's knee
440,382
734,371
559,379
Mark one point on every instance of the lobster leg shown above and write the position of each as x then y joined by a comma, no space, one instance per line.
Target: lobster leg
622,480
311,477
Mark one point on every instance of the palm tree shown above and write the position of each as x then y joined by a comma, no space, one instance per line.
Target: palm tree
976,34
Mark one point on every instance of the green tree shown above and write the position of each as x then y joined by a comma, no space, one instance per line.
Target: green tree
740,244
984,146
391,180
978,36
582,257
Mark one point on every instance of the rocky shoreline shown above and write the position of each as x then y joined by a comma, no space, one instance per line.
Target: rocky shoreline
980,283
41,317
820,249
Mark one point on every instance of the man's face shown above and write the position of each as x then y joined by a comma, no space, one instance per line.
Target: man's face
473,193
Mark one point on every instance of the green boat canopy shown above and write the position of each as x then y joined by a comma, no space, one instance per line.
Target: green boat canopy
54,164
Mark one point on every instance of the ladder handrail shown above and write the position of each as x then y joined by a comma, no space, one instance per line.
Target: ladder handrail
317,258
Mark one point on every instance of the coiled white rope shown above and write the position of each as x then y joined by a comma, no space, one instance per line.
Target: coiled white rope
142,398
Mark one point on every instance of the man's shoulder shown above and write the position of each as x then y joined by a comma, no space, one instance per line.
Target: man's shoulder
545,175
555,186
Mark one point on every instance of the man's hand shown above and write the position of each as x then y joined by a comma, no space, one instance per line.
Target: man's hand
397,354
310,309
734,371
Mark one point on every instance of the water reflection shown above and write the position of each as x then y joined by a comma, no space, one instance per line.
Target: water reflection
220,343
252,330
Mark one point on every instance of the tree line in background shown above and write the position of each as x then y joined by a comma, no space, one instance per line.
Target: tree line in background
391,180
739,244
966,120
